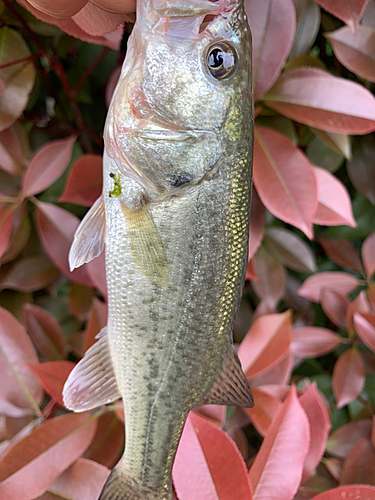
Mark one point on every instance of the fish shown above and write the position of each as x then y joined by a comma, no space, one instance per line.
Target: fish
173,220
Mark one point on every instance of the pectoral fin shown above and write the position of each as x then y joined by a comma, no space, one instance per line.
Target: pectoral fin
88,240
231,386
92,381
146,246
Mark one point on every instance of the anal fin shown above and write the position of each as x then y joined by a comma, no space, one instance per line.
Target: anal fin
230,386
92,381
88,240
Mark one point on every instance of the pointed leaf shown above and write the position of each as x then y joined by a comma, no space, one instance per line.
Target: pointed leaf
368,255
290,249
349,11
199,470
349,493
342,252
257,221
30,466
361,168
84,184
97,321
348,378
335,305
266,342
47,165
282,454
56,228
30,274
45,332
359,305
308,22
81,481
265,409
338,143
6,222
108,442
273,26
80,300
270,284
52,376
276,373
340,282
356,51
343,439
359,466
312,342
334,207
20,390
365,327
318,99
284,179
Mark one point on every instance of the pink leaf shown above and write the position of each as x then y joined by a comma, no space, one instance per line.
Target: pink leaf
32,464
361,168
208,464
6,222
335,305
56,228
320,423
278,372
308,22
342,440
265,409
349,11
81,481
312,342
359,305
47,165
348,378
342,252
284,179
84,183
340,282
277,469
348,493
270,285
96,21
334,207
273,26
30,274
365,327
266,342
257,221
52,376
356,51
97,321
359,466
108,442
368,255
318,99
20,390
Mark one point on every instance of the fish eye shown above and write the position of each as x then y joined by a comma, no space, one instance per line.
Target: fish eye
221,60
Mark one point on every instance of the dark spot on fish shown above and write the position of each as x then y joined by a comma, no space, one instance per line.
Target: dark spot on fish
178,180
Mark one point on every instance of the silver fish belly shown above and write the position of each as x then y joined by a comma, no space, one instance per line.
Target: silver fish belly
173,219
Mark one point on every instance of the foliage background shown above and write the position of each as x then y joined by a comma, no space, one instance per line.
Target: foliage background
306,326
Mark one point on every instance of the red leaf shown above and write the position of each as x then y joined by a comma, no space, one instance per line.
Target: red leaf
359,466
6,222
213,413
108,442
265,409
45,332
308,22
361,168
30,274
342,252
282,454
82,481
80,300
348,11
266,342
349,493
53,376
276,373
20,390
320,423
318,99
97,321
97,21
257,221
56,228
334,207
273,26
335,305
284,179
312,342
340,282
30,466
359,305
84,184
365,327
348,378
47,165
270,284
343,439
355,50
208,464
368,255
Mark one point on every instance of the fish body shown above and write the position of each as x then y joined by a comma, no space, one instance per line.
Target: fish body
173,219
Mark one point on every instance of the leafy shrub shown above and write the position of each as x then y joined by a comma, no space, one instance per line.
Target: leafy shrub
306,326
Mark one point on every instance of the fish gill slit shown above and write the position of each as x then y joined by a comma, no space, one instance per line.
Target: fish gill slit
178,335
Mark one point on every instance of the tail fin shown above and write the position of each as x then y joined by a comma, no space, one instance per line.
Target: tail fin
120,487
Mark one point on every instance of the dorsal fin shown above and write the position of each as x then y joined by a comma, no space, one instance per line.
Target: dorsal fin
88,240
92,381
230,386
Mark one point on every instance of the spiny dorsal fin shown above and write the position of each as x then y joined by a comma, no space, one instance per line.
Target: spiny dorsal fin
88,240
92,381
230,386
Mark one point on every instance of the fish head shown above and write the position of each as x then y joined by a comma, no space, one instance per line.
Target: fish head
184,96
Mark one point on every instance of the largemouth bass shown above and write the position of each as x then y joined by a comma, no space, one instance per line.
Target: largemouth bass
173,218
